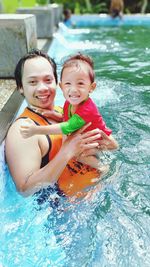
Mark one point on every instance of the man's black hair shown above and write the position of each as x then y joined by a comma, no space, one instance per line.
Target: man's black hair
32,54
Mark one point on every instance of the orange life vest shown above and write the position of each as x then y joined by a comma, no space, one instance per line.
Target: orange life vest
76,176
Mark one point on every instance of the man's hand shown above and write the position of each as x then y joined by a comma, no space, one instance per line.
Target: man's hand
107,142
50,114
81,141
54,115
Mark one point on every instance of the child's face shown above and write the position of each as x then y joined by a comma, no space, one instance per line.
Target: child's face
76,84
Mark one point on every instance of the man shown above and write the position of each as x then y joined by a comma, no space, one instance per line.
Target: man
40,161
116,8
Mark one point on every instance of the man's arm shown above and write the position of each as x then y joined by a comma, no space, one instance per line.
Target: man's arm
24,158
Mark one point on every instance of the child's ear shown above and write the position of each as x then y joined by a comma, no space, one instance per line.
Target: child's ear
60,85
93,86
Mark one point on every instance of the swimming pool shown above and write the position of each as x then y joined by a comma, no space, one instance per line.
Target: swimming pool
111,229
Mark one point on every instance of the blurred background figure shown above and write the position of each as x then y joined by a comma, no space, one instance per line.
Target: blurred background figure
116,8
67,17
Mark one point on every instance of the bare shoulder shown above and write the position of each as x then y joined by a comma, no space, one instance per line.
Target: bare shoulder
23,156
16,144
14,137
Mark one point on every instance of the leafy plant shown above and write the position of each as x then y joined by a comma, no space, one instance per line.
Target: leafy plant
11,6
102,6
42,2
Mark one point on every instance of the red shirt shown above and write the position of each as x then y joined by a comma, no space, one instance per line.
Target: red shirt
88,111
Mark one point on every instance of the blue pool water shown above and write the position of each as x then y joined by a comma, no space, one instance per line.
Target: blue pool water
110,229
106,20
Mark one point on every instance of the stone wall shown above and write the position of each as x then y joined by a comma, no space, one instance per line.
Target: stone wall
18,36
44,20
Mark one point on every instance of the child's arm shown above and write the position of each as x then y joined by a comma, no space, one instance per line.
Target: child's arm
29,128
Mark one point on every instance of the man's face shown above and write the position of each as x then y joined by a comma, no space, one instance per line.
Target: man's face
39,85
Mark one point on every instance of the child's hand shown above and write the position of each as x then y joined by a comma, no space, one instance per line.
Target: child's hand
28,128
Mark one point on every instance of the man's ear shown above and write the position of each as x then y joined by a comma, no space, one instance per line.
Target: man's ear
21,91
93,86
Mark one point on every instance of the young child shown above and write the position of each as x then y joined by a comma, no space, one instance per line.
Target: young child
77,81
67,18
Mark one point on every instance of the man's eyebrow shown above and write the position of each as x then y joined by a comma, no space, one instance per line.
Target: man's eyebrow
48,75
35,77
31,77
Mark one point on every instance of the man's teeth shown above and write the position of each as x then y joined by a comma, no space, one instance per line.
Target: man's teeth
42,97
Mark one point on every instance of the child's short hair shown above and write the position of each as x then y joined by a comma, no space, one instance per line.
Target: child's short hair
75,60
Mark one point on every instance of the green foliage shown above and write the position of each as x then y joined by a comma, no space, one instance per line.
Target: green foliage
101,6
80,6
42,2
77,8
11,6
98,8
84,6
